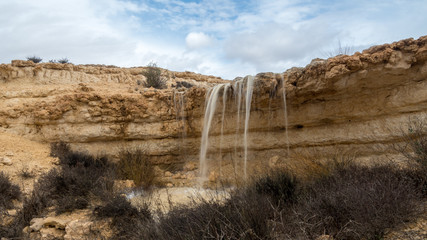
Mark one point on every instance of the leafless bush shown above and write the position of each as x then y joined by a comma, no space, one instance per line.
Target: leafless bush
415,142
244,216
125,217
153,75
63,60
34,59
8,192
353,202
135,165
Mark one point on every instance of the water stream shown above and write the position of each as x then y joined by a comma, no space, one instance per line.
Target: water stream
210,108
285,109
249,91
239,87
224,103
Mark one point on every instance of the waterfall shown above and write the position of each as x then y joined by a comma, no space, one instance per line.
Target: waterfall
210,108
212,98
224,101
249,91
238,96
179,105
286,112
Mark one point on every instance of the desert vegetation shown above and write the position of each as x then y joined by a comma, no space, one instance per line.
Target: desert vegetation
135,165
61,60
153,77
343,200
8,192
350,202
34,59
80,182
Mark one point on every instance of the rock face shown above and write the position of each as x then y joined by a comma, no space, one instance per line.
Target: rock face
346,103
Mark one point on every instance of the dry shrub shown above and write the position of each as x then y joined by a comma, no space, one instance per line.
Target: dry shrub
33,206
26,173
282,187
153,75
353,202
414,149
127,220
8,192
135,165
309,166
244,216
59,149
349,202
415,142
34,59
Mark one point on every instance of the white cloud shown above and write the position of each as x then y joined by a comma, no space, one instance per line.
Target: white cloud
219,37
196,40
274,43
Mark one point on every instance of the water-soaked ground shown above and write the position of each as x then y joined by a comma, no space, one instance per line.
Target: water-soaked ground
163,199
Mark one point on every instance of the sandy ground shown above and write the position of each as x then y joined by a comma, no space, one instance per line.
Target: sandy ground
19,155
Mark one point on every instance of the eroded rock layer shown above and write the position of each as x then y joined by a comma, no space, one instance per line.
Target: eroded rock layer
352,104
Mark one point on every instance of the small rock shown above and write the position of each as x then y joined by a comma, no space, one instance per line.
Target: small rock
190,175
55,161
36,224
213,176
324,237
272,162
190,166
122,185
51,233
9,154
169,185
11,212
26,230
55,222
6,161
177,176
168,174
78,229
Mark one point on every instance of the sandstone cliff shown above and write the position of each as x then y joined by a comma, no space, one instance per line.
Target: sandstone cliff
346,103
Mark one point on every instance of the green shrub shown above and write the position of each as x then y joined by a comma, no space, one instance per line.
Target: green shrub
153,77
135,165
34,59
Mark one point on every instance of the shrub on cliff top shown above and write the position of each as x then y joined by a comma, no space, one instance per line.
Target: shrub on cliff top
34,59
153,77
63,60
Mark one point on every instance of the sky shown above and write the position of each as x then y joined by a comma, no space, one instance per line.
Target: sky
225,38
